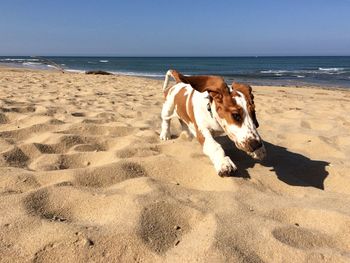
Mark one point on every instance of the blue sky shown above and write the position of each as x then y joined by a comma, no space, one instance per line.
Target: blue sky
175,28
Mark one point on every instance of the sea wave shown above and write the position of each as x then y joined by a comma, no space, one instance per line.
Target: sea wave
51,66
104,61
271,71
331,69
75,70
302,72
32,63
138,74
12,60
18,59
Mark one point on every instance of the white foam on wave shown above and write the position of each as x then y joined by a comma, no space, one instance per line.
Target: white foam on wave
75,70
301,72
104,61
331,69
13,59
271,71
51,66
18,59
138,74
31,63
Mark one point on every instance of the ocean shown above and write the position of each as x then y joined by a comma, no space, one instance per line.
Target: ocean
320,71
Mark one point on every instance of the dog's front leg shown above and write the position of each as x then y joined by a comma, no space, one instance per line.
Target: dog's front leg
222,163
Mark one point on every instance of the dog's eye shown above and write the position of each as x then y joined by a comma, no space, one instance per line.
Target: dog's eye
236,117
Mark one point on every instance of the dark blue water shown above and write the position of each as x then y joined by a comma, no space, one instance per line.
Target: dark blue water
326,71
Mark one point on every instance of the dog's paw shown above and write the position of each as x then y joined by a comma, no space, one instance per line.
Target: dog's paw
227,167
165,135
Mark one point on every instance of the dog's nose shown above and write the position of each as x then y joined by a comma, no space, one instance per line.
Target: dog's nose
254,144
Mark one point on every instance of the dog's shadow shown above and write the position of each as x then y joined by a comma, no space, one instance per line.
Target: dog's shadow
290,167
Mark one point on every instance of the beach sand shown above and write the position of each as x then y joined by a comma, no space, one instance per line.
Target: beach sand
84,177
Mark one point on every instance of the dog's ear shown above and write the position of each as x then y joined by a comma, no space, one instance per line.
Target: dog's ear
247,92
215,85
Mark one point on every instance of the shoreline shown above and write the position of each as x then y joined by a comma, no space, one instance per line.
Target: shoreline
306,86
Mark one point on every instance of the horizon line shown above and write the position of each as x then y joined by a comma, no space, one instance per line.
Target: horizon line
180,56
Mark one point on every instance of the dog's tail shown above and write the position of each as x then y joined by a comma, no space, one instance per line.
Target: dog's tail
166,80
171,73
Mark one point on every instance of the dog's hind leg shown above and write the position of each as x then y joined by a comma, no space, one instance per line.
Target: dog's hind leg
167,114
185,129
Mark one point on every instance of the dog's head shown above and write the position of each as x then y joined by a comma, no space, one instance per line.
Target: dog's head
234,109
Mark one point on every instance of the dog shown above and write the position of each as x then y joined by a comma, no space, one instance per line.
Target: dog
207,107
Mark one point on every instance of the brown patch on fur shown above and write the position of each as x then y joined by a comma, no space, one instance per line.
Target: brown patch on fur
247,92
187,116
180,105
199,134
200,137
226,107
202,83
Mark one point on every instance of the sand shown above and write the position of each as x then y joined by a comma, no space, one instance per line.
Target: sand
84,177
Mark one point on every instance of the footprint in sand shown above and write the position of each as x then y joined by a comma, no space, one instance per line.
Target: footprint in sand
68,141
3,118
97,130
140,151
34,150
70,250
78,143
107,175
96,121
89,148
14,157
55,122
50,162
162,225
25,109
66,203
303,238
107,116
27,132
305,124
319,222
14,182
39,204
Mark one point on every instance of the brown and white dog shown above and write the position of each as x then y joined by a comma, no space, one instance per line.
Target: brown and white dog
207,107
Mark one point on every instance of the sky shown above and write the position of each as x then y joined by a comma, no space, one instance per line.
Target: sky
175,28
